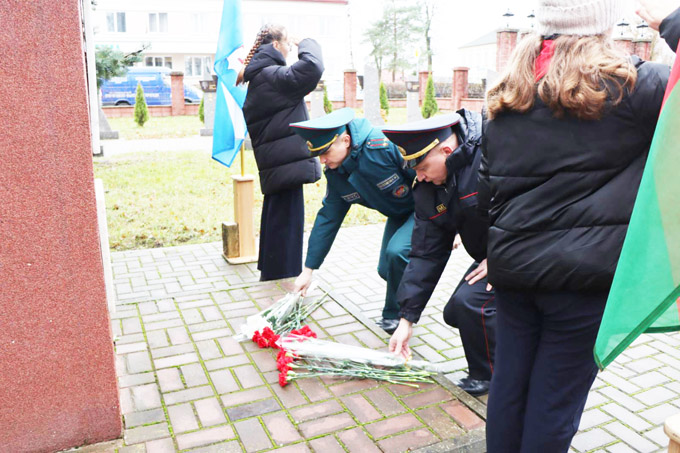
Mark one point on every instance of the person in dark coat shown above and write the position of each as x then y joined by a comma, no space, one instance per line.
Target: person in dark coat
275,98
445,196
569,128
361,167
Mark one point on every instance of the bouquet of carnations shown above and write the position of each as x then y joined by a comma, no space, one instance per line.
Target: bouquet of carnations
312,357
284,316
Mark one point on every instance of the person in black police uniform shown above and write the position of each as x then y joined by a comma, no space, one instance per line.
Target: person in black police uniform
361,167
445,153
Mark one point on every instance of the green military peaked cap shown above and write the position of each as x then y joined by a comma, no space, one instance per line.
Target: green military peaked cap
416,139
321,132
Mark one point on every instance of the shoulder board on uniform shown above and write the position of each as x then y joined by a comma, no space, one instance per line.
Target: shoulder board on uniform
377,143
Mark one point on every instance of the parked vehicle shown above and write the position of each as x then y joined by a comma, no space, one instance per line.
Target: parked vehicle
155,82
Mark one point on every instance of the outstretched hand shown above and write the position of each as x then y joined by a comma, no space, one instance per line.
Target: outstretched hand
400,338
655,11
303,281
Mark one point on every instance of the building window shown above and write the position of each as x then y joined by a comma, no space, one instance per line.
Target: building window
115,22
158,61
158,22
197,66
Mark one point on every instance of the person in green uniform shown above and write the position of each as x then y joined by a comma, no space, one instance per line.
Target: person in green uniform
361,167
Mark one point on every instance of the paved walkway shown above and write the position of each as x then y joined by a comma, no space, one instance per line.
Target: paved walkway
185,385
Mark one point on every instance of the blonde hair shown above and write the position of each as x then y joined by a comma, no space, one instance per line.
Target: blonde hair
584,74
268,33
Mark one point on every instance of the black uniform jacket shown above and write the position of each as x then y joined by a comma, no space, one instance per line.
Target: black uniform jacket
275,99
442,212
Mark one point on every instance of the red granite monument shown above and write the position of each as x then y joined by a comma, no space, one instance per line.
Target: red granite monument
57,375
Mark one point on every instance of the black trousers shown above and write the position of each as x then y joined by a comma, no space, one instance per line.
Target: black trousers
544,368
281,231
472,309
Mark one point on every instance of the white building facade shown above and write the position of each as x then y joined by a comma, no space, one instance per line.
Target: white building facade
183,35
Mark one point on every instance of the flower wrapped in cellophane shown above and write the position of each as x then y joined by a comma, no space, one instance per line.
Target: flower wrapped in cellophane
301,357
284,316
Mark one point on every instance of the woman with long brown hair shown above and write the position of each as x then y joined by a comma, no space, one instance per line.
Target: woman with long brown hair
275,98
570,123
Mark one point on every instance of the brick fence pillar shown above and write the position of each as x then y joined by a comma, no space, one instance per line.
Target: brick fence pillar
625,44
177,87
422,80
459,90
643,48
350,88
506,40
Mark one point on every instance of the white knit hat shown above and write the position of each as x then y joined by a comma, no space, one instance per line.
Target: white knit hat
578,17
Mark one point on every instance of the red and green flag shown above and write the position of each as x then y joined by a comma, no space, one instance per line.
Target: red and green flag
645,294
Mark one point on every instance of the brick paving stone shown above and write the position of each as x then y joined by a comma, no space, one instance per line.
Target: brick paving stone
247,376
131,325
408,441
626,401
138,362
436,395
144,418
313,389
245,396
440,423
353,386
146,397
157,339
210,334
131,347
125,399
223,381
208,349
592,418
316,411
369,339
205,437
627,417
253,409
252,435
130,380
175,360
187,395
264,360
162,324
659,414
345,328
192,316
592,439
393,425
172,351
356,440
169,380
644,365
428,353
655,396
657,435
194,375
210,412
178,335
165,445
182,418
165,316
362,410
226,362
464,416
385,402
289,395
280,428
145,433
631,437
326,444
595,399
325,425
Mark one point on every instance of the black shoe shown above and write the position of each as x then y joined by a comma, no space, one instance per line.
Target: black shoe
474,387
388,325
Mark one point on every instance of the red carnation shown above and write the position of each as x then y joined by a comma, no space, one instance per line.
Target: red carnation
283,378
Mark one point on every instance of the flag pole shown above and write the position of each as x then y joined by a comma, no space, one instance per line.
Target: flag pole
243,159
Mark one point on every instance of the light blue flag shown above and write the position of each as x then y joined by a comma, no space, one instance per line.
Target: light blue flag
229,129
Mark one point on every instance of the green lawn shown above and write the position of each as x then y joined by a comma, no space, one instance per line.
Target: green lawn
161,199
157,127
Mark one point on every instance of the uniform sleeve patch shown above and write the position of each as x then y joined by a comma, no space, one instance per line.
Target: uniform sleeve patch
350,197
441,208
401,191
388,182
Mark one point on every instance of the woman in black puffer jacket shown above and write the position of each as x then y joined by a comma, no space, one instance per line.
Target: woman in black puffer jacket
570,126
275,99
